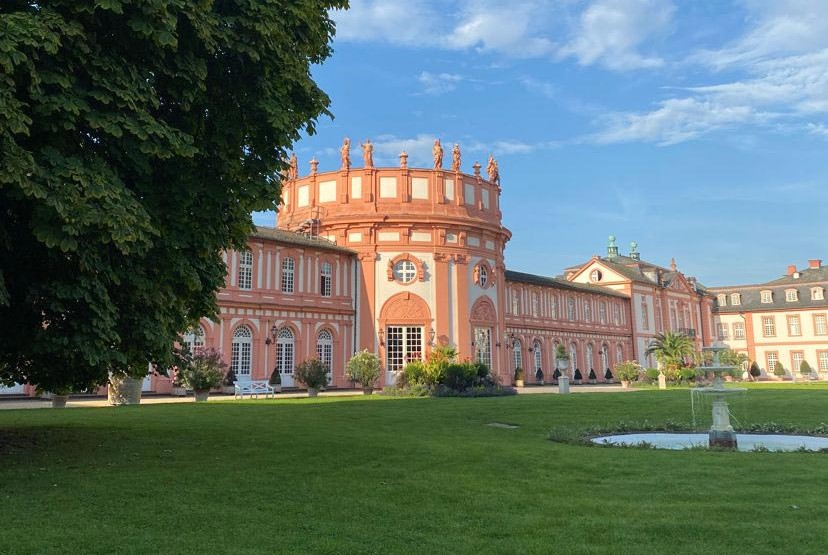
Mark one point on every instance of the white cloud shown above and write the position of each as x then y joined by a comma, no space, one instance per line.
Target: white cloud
387,149
513,28
402,23
439,83
611,32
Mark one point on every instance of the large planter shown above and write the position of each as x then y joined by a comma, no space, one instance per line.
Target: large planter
201,395
124,391
59,401
312,392
228,389
625,384
277,387
179,391
518,383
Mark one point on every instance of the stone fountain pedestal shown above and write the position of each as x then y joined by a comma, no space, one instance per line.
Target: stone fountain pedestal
721,433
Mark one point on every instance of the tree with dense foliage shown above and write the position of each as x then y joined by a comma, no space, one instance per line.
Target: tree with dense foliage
671,349
136,138
779,370
754,371
805,369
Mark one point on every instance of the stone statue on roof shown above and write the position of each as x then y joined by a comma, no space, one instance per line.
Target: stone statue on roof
368,153
455,158
293,167
492,170
345,153
437,151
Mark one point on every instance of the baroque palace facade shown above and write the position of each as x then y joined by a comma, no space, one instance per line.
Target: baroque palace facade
398,260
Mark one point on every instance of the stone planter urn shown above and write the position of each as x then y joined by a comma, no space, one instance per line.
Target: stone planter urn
124,391
179,391
228,389
312,392
201,395
59,401
563,379
625,384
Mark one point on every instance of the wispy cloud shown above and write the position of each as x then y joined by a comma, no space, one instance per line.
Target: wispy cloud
439,83
387,148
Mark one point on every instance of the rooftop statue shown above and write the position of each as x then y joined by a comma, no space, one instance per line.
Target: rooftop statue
345,153
368,153
293,168
437,151
455,158
403,159
492,170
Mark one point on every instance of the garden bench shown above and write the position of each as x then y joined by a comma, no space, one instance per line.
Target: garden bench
253,388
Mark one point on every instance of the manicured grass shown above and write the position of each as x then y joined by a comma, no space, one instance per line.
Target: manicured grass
374,475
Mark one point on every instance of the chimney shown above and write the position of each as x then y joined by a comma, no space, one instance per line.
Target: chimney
815,263
791,270
612,248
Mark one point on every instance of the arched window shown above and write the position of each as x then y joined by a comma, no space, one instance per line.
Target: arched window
619,353
590,363
288,267
573,358
517,354
483,276
325,279
616,314
588,310
246,270
324,349
285,351
604,358
537,352
241,357
193,340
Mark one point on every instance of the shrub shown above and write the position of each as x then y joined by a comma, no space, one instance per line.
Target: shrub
578,375
592,374
805,368
275,377
481,369
312,372
412,373
205,370
755,371
459,376
518,373
651,374
364,368
628,371
230,378
556,374
778,369
687,374
608,375
538,375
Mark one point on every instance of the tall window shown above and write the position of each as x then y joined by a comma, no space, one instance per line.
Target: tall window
573,357
602,312
768,326
515,302
285,351
245,270
796,360
402,345
820,324
325,279
534,305
616,314
537,352
823,361
193,339
324,349
645,315
604,358
794,326
288,268
738,330
772,358
517,354
589,357
588,310
735,299
241,353
483,346
619,354
673,316
721,299
791,295
554,300
766,296
570,308
722,331
657,309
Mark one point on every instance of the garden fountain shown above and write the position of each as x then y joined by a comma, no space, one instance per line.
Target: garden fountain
721,434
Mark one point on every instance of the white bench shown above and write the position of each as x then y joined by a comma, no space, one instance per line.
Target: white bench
253,388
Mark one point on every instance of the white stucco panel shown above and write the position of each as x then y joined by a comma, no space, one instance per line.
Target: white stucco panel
303,198
419,188
388,187
356,187
327,191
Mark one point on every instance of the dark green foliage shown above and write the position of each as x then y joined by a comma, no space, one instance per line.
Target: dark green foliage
312,373
459,376
778,369
608,374
519,373
556,374
539,375
230,378
578,375
755,371
275,377
136,138
592,374
805,368
651,374
205,370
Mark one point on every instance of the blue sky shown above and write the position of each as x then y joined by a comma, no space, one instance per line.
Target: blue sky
698,129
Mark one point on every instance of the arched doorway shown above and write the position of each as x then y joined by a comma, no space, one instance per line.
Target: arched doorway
404,324
483,320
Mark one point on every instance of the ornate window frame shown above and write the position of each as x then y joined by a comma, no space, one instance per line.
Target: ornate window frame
418,265
485,271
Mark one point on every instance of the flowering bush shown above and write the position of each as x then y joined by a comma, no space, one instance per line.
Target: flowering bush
205,370
312,372
364,368
628,371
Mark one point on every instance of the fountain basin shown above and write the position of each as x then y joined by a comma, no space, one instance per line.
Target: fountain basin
745,442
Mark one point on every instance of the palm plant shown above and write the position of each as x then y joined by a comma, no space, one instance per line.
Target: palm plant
671,348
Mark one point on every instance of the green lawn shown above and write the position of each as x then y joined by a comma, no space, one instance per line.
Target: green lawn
377,475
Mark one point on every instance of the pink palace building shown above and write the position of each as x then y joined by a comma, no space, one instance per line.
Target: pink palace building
397,260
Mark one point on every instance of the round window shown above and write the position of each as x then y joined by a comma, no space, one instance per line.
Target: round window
595,275
405,271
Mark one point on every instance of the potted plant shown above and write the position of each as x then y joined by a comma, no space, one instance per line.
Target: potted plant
578,377
276,380
205,370
627,372
539,376
228,385
313,374
518,377
779,370
592,377
608,377
364,368
58,396
806,370
125,385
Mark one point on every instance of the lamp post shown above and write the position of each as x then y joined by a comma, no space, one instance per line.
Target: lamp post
275,380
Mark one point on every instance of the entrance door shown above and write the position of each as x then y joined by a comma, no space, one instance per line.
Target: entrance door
403,344
285,356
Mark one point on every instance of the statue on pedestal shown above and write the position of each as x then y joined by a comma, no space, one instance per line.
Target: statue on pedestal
437,151
293,168
403,159
492,170
345,153
368,153
455,158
